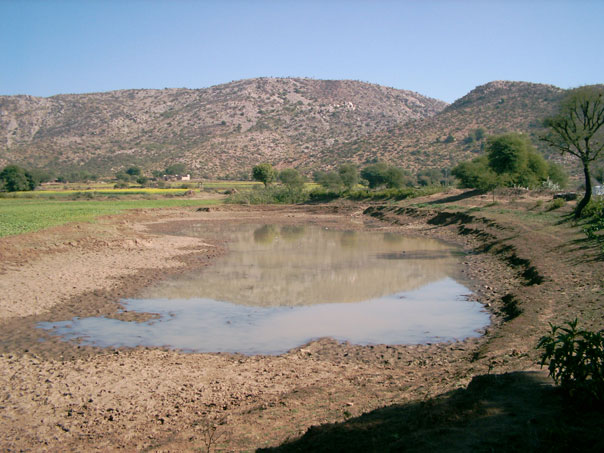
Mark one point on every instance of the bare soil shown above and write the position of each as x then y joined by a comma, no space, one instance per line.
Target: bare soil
61,396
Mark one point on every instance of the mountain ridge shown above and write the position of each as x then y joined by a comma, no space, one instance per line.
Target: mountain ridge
263,118
223,130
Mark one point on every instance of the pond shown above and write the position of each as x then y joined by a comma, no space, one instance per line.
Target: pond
281,286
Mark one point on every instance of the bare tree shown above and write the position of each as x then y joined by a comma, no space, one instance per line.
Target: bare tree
575,130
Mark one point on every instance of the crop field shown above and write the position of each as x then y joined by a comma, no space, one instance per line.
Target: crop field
24,215
176,186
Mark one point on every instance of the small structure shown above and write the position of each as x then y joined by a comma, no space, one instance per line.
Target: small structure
177,177
598,191
568,196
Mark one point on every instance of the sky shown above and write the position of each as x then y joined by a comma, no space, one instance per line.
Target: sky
439,48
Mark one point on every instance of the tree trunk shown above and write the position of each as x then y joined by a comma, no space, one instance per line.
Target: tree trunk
587,195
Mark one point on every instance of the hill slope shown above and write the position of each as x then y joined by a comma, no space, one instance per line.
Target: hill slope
450,136
217,131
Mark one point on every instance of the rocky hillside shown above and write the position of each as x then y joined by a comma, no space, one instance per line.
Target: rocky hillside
459,131
217,131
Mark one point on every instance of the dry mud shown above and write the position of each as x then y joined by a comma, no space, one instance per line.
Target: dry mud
61,396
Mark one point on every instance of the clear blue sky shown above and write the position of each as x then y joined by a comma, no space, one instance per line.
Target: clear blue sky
441,49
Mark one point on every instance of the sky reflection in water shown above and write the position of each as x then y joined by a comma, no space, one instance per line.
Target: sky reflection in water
284,286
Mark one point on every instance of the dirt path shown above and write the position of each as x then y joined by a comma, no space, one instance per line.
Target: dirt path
59,396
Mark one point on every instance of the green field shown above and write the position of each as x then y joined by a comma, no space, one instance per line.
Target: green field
24,215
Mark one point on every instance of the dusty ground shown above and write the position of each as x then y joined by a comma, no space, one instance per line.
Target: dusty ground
60,396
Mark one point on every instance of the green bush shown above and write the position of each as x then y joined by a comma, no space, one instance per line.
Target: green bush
595,208
323,195
576,359
556,204
389,194
593,213
269,195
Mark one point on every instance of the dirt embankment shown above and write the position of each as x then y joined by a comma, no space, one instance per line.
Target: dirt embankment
61,396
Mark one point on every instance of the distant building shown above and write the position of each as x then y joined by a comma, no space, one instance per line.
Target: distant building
598,190
177,177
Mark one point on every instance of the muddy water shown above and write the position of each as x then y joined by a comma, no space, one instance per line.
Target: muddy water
282,286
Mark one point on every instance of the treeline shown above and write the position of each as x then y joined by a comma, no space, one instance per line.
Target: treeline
509,160
14,178
375,181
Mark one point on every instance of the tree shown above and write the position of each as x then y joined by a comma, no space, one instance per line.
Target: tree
516,161
349,175
479,134
508,153
134,171
429,177
265,173
476,174
329,180
14,179
122,176
395,177
577,130
510,160
557,175
381,174
291,178
176,169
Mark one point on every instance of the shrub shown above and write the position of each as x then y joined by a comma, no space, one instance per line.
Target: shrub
269,195
382,174
15,179
576,359
265,173
389,194
557,203
595,208
323,195
594,215
291,178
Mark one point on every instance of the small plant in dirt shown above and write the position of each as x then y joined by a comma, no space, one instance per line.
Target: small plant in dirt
556,204
576,359
211,430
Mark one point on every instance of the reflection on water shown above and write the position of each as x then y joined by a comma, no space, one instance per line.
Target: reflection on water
282,286
436,312
272,265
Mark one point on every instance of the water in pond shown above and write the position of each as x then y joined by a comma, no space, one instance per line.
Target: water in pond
282,286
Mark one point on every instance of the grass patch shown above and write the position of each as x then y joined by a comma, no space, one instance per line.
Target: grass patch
269,195
19,215
93,193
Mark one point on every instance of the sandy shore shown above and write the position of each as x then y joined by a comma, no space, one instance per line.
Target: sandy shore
59,396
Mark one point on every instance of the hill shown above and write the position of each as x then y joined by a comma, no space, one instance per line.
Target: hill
218,131
458,132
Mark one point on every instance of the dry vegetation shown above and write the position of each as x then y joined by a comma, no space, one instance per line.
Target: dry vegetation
449,137
221,130
226,129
